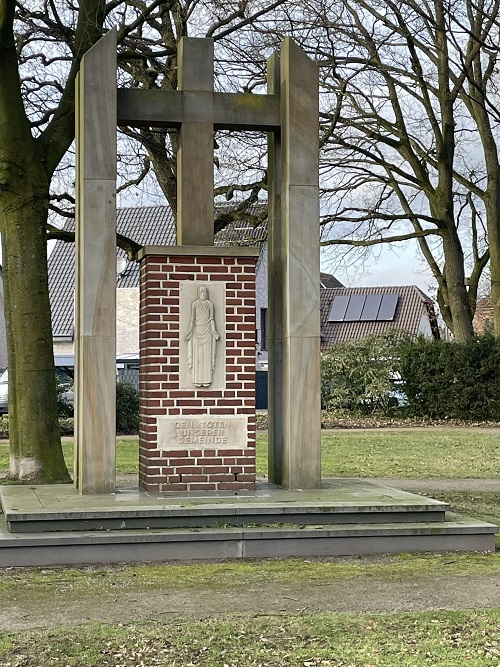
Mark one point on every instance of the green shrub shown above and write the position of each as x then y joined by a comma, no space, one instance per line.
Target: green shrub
127,408
359,375
65,409
444,379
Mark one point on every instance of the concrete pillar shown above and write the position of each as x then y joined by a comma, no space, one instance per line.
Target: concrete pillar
299,258
95,301
195,156
275,290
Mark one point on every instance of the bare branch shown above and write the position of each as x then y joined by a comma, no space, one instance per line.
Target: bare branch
389,239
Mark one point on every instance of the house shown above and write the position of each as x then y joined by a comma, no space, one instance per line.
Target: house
350,313
153,225
149,225
327,281
483,317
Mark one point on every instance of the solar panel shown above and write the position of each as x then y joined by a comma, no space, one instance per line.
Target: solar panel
371,307
364,308
355,308
388,307
339,306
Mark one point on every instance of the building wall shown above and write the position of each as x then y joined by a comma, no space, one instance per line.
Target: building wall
127,320
261,304
64,347
127,324
424,327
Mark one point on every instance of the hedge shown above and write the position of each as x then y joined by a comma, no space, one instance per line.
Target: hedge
450,380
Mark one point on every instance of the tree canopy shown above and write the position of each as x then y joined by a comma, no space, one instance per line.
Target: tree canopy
409,143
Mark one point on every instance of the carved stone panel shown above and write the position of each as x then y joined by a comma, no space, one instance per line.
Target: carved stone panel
203,432
202,344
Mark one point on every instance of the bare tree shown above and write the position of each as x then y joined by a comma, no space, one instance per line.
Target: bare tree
407,91
241,162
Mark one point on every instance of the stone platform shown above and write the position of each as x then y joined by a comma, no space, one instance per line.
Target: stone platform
46,525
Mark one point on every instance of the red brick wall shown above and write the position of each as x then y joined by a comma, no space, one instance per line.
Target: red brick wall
200,468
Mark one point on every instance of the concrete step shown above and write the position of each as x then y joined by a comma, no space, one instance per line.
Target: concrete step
72,547
48,525
60,508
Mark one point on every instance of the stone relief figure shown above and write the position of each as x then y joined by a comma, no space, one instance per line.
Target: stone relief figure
202,339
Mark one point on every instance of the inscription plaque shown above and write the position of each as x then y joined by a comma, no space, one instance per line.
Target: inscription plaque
202,432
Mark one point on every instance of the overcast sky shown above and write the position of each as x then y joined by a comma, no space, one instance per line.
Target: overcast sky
399,266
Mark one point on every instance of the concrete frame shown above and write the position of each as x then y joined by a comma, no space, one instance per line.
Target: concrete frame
289,113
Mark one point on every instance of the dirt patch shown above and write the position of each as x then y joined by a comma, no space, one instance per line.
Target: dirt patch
361,595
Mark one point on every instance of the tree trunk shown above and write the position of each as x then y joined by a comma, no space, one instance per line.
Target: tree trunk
456,290
493,221
36,453
492,205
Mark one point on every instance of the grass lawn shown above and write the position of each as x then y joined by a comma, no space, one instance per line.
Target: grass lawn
127,455
449,639
28,585
439,638
445,453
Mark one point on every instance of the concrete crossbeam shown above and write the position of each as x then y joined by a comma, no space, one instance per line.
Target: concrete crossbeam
170,108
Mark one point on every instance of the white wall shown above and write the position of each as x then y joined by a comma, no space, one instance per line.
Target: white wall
127,324
127,320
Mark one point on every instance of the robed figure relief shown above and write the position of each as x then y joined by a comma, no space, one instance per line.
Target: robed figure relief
202,340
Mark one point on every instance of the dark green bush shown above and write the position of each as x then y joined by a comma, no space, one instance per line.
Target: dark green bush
359,375
450,380
127,408
65,409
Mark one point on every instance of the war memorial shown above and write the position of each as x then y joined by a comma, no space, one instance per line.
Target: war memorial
198,495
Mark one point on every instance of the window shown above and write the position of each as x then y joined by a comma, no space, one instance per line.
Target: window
263,328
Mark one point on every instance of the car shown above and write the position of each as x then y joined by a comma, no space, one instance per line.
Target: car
127,368
65,370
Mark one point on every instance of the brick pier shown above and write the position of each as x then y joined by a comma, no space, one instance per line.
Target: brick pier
197,438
